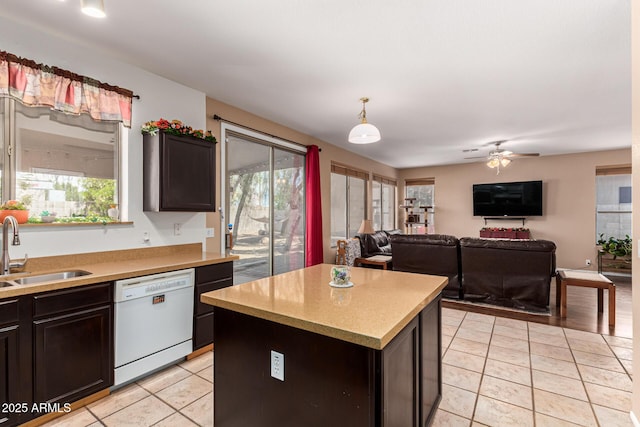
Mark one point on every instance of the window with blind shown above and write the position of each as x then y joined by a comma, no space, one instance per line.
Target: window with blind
383,201
613,201
348,201
422,190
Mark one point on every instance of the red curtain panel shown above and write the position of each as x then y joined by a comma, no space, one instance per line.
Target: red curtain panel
313,236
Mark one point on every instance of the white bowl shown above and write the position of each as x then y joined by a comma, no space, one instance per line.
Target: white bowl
48,218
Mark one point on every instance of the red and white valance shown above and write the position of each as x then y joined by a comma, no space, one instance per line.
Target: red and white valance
42,85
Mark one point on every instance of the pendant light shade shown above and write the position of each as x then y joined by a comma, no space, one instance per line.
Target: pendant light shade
364,133
93,8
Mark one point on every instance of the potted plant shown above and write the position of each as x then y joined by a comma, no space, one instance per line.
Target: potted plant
176,127
616,247
15,208
614,254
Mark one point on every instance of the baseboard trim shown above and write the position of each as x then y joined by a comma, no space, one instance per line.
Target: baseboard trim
634,419
200,351
74,406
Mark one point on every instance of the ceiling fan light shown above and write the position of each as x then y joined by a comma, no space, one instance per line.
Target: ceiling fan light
364,133
493,163
505,162
93,8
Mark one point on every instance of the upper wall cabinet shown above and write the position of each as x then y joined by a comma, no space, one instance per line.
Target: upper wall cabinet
179,173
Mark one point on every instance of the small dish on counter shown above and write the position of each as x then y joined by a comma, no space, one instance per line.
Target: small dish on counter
341,285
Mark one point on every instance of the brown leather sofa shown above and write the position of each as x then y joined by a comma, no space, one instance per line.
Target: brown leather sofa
509,273
377,243
437,254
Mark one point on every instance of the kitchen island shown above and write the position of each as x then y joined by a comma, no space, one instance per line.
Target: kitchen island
290,350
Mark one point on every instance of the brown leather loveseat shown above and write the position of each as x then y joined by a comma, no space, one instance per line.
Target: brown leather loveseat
437,254
509,273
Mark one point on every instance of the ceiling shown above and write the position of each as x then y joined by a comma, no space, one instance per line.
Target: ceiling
442,76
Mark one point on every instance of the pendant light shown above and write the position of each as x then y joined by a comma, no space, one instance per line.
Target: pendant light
93,8
364,133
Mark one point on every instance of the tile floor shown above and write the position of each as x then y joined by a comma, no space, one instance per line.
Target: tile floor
504,372
496,372
179,396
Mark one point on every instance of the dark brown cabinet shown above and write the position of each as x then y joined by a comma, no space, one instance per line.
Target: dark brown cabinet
208,278
178,173
327,381
15,379
72,343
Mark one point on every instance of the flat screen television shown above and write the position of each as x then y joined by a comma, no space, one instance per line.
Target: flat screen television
508,199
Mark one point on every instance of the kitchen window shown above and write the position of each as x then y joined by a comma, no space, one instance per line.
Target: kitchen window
59,163
348,201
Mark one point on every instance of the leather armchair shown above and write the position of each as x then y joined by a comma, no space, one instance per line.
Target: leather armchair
509,273
436,254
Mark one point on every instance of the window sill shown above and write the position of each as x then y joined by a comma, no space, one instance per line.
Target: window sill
75,224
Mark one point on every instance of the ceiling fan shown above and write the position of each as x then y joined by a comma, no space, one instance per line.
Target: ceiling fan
500,157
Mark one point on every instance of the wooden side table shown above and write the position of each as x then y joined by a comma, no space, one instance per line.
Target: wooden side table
566,278
380,260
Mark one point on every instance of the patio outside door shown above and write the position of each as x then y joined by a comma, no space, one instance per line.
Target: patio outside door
265,205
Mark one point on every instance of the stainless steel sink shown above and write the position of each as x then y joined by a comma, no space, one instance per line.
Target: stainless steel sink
51,277
5,284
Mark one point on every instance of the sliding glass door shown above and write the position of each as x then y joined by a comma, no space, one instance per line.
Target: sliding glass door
264,206
288,208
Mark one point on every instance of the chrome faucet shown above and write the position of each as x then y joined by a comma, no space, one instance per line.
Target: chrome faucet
6,263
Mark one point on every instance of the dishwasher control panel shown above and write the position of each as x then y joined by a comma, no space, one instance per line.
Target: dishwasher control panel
143,286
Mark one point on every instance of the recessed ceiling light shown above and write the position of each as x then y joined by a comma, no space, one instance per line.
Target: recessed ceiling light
93,8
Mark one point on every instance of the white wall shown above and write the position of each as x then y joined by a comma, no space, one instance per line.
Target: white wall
635,141
159,97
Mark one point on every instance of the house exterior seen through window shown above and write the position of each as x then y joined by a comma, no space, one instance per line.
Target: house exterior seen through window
613,203
59,163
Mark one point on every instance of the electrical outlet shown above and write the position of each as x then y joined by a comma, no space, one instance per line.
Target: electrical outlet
588,262
145,237
211,232
277,365
177,229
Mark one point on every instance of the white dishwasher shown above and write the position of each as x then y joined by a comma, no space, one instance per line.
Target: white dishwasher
153,322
